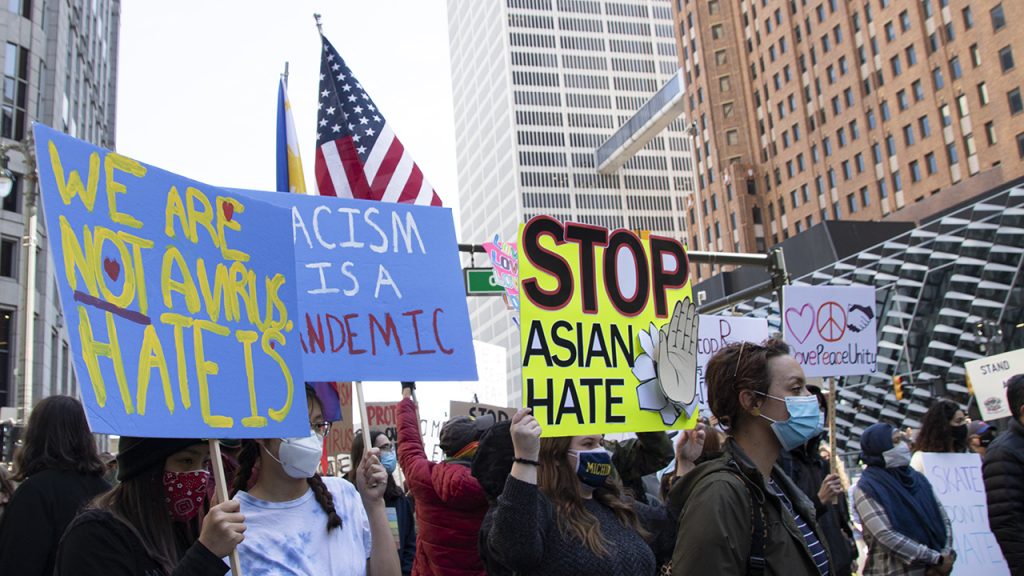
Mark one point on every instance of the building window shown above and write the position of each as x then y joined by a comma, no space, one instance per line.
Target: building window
851,203
717,32
6,350
883,189
1016,105
908,134
998,18
933,164
8,258
954,68
897,68
872,122
968,18
1005,58
897,181
918,90
865,197
884,107
904,21
732,137
951,153
915,171
937,78
713,7
924,126
901,100
961,105
990,133
720,58
947,118
12,124
22,7
728,109
975,56
890,145
724,84
1020,144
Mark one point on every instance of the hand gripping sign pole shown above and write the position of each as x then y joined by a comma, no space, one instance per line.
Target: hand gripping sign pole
833,459
222,494
358,385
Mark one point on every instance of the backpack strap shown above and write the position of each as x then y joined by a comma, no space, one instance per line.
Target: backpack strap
758,529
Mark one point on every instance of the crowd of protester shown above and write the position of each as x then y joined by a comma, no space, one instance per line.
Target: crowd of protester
751,490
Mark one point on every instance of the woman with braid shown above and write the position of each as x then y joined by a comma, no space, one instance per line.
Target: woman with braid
302,524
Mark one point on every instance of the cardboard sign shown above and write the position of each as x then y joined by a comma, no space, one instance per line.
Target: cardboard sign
383,416
960,489
607,342
339,439
475,410
379,287
505,262
717,332
988,378
831,329
180,298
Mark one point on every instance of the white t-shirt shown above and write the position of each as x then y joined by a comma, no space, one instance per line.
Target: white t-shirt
291,538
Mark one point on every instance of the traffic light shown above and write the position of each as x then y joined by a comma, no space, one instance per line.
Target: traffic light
897,387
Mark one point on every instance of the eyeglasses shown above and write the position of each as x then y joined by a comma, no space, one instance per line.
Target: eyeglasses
321,428
386,447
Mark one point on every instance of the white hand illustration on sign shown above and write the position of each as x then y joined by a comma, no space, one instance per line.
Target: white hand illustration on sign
667,370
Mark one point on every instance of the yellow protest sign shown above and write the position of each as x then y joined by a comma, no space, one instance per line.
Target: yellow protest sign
608,330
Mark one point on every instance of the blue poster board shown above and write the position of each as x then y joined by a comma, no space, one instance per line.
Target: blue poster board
180,298
380,289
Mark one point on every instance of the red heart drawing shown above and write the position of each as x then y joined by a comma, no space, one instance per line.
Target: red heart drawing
112,268
273,345
800,322
229,210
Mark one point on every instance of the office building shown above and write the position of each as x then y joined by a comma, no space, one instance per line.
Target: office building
810,110
60,69
538,86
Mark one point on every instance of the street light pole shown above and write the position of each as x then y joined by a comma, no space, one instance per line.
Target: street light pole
30,244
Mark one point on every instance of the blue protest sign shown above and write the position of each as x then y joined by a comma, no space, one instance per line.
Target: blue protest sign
380,289
180,298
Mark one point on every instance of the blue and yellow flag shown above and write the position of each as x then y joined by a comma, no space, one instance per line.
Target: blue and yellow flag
289,165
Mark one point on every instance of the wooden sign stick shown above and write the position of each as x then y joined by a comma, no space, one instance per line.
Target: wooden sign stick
222,493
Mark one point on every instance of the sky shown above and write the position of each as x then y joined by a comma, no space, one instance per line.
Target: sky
197,82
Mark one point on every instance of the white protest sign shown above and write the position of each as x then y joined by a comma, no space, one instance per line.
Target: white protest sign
831,329
960,489
716,332
988,377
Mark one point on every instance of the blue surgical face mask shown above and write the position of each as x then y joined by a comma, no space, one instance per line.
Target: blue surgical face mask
805,421
593,467
389,460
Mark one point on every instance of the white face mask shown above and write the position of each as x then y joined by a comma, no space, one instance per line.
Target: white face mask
300,457
898,456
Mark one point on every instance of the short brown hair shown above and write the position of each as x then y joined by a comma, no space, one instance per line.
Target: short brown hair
737,367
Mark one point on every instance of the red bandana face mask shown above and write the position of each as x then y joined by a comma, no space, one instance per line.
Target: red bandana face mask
185,493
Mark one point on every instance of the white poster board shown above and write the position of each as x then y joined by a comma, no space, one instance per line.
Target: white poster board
715,333
988,377
960,489
832,330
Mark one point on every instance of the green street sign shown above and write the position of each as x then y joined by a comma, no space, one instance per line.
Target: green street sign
481,282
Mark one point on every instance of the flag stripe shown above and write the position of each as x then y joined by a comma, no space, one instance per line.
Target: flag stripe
406,173
379,154
328,168
412,186
391,172
353,168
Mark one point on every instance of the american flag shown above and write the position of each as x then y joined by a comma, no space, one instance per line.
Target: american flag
357,154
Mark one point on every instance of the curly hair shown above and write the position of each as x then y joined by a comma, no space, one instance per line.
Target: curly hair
737,367
936,434
558,481
58,438
250,455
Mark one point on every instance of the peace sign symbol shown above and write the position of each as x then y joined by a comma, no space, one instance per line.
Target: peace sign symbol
831,321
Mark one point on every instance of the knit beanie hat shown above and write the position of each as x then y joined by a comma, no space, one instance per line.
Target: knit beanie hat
137,455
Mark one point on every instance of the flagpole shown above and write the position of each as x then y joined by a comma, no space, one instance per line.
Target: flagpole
285,75
319,25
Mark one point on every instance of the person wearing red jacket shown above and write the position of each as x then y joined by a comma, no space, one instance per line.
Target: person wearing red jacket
450,504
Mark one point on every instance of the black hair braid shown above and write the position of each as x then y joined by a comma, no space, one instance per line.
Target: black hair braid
247,458
326,501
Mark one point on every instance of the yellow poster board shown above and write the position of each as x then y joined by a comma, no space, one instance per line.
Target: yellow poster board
608,330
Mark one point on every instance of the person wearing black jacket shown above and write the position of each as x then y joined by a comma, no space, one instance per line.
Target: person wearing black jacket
153,523
810,472
1003,471
60,471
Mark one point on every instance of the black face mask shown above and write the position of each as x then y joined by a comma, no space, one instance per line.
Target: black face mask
960,433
